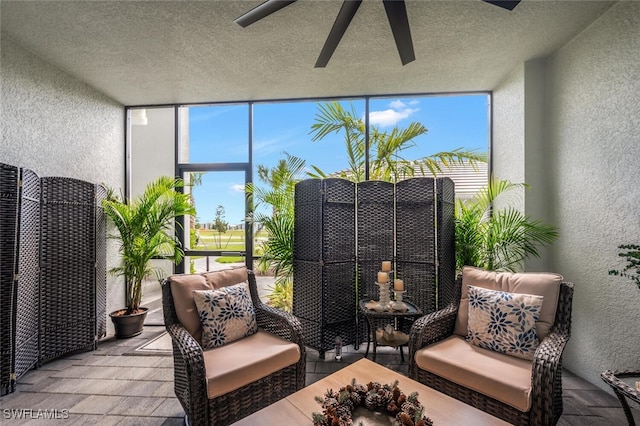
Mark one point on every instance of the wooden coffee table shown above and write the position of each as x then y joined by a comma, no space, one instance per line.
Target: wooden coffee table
297,408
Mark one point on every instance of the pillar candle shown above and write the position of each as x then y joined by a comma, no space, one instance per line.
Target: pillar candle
386,266
398,285
383,277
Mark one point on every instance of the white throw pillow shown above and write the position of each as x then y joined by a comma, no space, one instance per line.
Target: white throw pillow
504,322
226,314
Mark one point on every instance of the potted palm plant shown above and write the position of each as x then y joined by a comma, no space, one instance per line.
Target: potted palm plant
497,239
145,231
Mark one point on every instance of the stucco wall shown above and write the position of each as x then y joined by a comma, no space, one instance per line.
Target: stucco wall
507,154
56,125
586,159
593,104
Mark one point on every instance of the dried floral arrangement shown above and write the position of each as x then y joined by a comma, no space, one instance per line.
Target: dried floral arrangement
338,407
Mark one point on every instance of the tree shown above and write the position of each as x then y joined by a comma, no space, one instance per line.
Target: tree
386,161
279,224
219,224
497,239
146,231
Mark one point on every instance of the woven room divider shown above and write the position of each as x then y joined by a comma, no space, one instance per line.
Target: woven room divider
68,296
378,221
324,292
26,314
53,271
9,194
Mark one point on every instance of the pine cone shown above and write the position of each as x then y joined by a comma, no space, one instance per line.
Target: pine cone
330,402
373,386
343,412
385,397
356,398
401,399
361,389
392,408
409,408
396,393
404,419
371,401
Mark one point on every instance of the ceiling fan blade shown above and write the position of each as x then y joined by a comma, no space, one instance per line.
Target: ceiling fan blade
261,11
397,16
505,4
347,11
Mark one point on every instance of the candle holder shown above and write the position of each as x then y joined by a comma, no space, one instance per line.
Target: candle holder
385,295
398,304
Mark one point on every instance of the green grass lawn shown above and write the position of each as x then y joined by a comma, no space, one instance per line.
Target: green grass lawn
232,240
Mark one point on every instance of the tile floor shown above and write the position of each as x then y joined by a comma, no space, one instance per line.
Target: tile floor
119,385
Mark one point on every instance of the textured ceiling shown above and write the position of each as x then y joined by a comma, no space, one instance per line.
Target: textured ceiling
159,52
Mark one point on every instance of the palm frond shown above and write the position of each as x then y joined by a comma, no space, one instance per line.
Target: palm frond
497,239
146,230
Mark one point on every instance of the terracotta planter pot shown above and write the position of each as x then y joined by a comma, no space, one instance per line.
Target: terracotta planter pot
128,325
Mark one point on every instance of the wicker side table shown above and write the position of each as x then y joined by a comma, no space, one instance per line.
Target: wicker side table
373,317
623,389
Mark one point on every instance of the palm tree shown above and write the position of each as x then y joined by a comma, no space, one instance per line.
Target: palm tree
497,239
279,224
386,162
146,231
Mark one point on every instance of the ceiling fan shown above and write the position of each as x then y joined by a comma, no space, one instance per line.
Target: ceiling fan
396,14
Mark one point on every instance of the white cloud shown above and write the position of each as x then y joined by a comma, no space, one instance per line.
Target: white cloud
390,117
397,104
237,187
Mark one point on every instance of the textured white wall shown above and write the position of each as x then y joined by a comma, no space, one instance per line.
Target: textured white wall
593,115
507,153
56,125
586,161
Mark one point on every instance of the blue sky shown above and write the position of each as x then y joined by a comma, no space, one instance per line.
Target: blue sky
219,134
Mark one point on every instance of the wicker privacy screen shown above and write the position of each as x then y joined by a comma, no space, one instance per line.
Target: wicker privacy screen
53,271
9,193
68,264
343,231
26,314
324,295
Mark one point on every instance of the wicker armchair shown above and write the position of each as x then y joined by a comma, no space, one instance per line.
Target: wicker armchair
191,379
546,371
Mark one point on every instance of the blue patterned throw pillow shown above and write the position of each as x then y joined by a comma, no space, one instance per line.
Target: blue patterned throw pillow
226,314
503,322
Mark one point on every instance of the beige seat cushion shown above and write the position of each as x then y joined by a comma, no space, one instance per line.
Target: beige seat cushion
502,377
542,284
226,277
183,285
244,361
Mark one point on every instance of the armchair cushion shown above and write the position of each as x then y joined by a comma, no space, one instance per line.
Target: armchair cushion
244,361
226,314
499,376
226,277
541,284
183,285
504,322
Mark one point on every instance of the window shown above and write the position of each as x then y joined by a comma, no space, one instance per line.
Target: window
220,148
